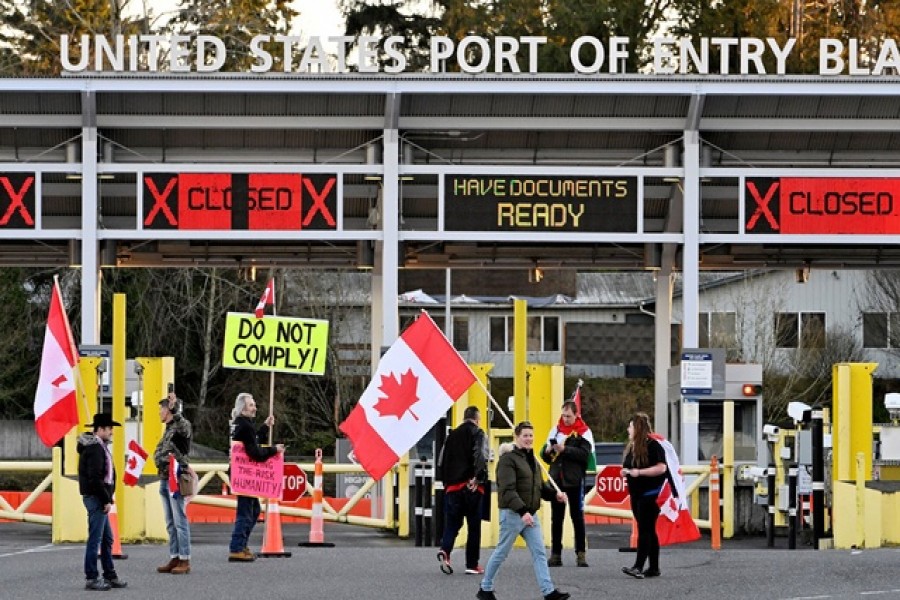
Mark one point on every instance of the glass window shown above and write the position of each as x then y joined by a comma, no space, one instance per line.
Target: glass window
498,334
894,330
812,328
786,330
533,334
875,330
723,330
461,333
551,334
703,338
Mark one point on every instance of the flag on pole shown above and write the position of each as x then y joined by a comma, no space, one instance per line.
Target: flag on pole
576,398
267,298
418,379
55,404
134,463
674,524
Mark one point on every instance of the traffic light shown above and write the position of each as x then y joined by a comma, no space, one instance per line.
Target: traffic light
751,389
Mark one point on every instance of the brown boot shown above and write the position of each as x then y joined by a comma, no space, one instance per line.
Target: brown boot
183,568
581,559
167,568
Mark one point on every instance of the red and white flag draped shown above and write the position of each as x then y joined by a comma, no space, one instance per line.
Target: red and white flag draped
174,472
55,404
674,524
134,463
418,379
267,298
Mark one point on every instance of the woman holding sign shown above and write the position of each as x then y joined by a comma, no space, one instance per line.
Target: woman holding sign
244,430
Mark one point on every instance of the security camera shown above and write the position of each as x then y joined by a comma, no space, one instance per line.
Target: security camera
752,472
771,432
799,411
892,401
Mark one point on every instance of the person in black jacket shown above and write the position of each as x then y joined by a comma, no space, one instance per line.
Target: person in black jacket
243,429
644,468
567,451
463,464
97,485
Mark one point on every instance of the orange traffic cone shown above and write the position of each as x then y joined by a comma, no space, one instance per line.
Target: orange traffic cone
633,540
273,544
114,525
316,530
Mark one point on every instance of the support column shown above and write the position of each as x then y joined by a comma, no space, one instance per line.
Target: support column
662,359
90,247
690,268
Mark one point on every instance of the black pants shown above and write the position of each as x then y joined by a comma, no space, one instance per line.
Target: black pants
462,505
558,515
646,511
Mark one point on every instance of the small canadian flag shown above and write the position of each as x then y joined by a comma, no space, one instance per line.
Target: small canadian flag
134,463
267,298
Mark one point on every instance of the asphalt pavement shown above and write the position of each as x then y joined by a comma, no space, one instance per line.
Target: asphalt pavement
367,563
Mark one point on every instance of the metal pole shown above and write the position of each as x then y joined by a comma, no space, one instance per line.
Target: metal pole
418,509
440,436
770,518
792,507
818,477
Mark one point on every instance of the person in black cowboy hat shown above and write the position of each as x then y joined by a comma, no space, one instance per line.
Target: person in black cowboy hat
97,484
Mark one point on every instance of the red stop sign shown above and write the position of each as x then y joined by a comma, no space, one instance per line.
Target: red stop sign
294,483
611,485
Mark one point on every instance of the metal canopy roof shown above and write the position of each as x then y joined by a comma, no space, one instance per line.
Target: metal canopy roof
552,124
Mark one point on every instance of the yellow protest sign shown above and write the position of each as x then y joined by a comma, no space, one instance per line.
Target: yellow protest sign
282,344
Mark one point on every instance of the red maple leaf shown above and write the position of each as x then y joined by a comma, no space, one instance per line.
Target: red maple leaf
132,463
399,395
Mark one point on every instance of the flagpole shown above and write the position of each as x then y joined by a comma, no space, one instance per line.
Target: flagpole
511,426
272,375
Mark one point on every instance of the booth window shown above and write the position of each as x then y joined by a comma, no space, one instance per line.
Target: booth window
718,330
800,330
881,330
541,333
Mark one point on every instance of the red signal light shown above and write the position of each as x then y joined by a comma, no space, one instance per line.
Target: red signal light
751,389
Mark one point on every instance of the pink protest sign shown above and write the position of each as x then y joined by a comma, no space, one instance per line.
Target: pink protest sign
251,478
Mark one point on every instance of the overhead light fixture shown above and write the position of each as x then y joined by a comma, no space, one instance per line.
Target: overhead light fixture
372,178
535,275
671,161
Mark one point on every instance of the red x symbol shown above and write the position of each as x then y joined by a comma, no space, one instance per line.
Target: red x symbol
762,206
159,201
319,202
15,201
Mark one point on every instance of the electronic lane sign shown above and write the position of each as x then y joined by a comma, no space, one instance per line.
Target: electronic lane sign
537,203
837,205
17,202
240,201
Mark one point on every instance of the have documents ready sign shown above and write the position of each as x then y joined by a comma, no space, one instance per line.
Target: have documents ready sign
283,344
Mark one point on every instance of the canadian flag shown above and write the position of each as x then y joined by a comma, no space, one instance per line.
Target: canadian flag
134,463
674,524
55,406
267,298
418,379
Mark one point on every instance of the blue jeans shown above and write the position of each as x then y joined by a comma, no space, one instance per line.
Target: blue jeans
176,522
511,526
459,505
248,510
99,539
